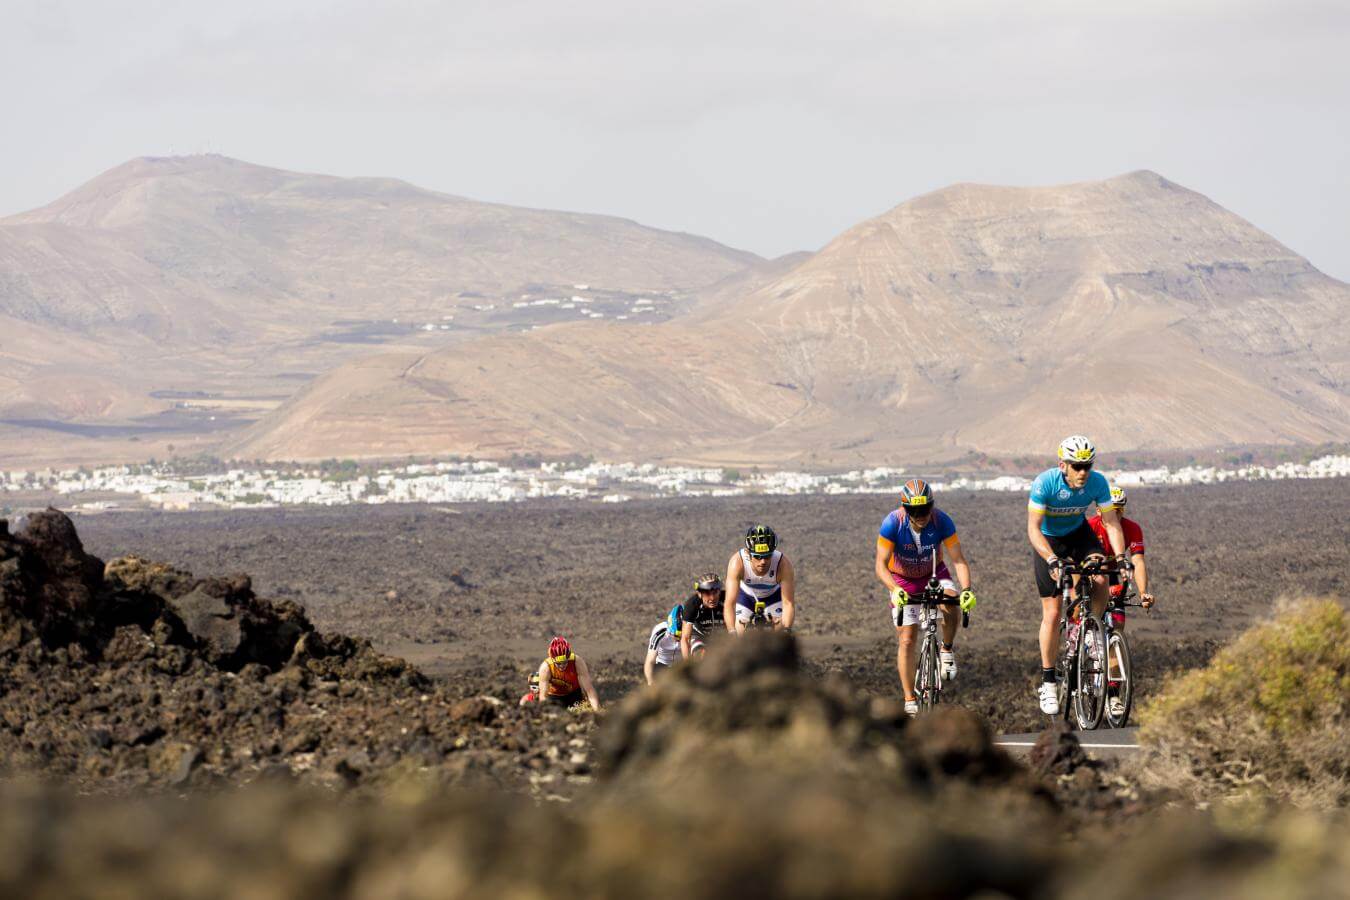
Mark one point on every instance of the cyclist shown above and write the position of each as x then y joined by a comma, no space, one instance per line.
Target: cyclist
762,574
904,564
1134,543
565,677
701,612
1058,530
663,647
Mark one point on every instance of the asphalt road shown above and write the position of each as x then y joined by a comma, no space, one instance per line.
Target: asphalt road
1102,742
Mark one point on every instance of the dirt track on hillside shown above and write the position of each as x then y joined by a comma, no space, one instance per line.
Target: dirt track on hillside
475,590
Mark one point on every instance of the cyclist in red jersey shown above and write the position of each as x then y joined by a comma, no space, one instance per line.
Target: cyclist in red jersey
565,677
1134,548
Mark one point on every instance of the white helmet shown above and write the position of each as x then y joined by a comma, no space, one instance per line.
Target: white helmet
1077,448
1118,497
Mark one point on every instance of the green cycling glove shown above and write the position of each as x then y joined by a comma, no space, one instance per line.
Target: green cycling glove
899,596
967,600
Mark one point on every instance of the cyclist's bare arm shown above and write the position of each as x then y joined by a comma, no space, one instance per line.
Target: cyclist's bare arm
648,665
587,686
958,557
686,640
1039,543
735,569
1111,519
544,676
787,583
1141,579
883,573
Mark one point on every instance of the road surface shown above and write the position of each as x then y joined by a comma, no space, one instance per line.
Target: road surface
1102,742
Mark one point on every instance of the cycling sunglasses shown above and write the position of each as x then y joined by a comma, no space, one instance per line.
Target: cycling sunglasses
918,512
1081,467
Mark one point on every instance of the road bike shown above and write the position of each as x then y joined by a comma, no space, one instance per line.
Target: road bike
1094,662
928,675
759,618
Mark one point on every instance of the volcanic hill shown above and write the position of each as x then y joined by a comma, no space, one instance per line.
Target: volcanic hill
204,277
975,318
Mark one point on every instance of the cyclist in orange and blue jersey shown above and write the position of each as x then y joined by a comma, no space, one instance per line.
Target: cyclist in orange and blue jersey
904,564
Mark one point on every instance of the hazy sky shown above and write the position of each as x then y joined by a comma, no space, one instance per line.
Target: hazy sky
770,126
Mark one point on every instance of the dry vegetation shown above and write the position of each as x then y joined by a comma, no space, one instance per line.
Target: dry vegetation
1269,715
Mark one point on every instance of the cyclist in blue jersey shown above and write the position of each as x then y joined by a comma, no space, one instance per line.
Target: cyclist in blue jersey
904,563
1058,530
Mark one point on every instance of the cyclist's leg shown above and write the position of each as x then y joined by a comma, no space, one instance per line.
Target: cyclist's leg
773,606
951,615
1117,607
906,631
1050,603
745,608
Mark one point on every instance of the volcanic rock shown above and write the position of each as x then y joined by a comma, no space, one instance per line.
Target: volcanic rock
1057,751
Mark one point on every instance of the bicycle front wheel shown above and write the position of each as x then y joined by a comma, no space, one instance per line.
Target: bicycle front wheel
1120,675
927,684
1089,695
1064,670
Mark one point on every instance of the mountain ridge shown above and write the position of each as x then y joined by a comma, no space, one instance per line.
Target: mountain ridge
967,319
210,275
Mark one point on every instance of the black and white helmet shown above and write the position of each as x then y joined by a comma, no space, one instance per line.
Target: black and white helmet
760,541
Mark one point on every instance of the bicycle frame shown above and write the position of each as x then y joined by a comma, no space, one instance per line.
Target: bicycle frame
758,619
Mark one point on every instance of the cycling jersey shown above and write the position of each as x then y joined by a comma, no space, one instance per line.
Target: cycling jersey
667,648
563,680
703,618
1065,508
911,555
1134,535
760,587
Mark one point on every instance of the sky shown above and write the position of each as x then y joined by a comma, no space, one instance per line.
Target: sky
768,126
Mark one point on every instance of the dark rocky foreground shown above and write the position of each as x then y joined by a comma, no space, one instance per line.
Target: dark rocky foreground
133,673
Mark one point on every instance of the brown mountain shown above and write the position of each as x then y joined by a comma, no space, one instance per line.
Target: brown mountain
974,318
208,277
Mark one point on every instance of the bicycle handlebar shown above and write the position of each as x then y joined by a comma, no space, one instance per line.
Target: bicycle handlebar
1098,566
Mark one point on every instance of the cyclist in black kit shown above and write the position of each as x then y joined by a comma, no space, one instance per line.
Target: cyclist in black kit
701,613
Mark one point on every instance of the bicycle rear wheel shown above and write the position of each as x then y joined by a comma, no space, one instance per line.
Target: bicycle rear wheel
1089,695
926,683
1118,658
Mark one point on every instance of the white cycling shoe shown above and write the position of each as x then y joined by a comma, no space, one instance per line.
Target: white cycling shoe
1115,706
948,660
1049,695
911,708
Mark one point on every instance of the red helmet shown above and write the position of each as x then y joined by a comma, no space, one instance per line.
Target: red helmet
559,648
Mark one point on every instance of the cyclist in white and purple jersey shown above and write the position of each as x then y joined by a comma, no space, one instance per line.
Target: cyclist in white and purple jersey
1058,530
904,563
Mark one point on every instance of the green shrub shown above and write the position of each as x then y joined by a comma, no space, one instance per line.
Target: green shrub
1270,714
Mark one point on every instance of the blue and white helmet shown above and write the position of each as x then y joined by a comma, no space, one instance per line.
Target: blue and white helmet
1077,449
